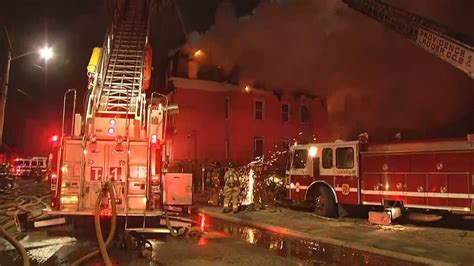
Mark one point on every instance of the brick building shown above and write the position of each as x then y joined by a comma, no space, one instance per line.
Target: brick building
218,121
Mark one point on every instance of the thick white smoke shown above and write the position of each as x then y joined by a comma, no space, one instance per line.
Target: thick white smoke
375,79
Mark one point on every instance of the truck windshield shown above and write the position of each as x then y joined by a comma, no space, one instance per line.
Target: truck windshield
299,159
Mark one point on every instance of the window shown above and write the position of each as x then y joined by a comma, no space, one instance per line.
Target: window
285,144
285,112
327,158
259,110
304,114
226,111
299,159
258,147
345,158
34,163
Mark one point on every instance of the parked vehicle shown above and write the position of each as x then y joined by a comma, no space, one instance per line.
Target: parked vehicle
427,175
30,167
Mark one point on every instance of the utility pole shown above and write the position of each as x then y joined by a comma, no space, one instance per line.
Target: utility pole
5,80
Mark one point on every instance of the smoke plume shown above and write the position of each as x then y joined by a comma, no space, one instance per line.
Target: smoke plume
375,80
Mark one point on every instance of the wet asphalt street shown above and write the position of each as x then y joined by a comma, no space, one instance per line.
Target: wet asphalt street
59,245
223,244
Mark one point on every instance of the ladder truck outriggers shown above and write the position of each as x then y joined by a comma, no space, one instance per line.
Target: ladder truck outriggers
120,138
428,175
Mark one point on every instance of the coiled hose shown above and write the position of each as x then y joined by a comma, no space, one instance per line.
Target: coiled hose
98,229
17,245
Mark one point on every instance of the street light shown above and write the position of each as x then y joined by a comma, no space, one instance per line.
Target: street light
46,53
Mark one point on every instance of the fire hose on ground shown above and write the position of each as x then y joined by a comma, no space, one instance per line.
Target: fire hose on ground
98,229
17,245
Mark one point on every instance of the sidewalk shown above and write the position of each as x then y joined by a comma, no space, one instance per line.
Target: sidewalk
425,245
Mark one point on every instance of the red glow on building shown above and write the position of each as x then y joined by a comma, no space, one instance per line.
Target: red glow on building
220,122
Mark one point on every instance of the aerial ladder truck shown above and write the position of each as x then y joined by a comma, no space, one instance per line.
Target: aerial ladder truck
450,46
120,137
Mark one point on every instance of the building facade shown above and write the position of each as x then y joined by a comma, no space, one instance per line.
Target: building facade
223,122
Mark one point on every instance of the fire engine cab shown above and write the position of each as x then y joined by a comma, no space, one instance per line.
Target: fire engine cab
430,175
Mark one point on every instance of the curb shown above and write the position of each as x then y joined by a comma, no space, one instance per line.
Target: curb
326,240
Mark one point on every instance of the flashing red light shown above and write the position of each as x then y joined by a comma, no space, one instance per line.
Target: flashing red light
111,130
54,138
106,213
154,140
54,176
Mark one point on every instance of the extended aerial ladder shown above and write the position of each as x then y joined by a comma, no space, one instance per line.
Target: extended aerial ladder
118,85
452,47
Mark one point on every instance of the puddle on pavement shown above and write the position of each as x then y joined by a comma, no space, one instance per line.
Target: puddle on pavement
309,251
49,249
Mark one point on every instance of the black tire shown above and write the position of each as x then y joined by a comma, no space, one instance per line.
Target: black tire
324,202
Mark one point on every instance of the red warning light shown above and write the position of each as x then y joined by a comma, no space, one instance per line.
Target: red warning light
54,138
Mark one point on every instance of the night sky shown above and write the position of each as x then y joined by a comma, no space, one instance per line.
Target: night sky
73,28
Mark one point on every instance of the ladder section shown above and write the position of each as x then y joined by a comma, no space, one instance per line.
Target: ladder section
122,86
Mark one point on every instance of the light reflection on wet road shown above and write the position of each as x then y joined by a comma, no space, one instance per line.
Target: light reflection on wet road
223,244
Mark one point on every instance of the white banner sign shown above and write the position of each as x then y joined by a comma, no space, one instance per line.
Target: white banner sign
459,55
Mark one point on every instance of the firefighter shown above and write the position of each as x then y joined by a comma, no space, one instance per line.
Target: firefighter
259,188
231,189
215,187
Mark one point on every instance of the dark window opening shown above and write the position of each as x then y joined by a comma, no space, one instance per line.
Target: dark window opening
259,106
345,158
285,112
304,114
299,159
327,158
258,147
285,144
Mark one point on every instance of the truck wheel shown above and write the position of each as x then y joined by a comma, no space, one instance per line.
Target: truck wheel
324,202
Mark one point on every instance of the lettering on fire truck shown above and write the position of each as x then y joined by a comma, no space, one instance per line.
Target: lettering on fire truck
96,173
115,173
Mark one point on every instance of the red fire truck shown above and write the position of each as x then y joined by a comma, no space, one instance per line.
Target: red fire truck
428,175
120,138
434,175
